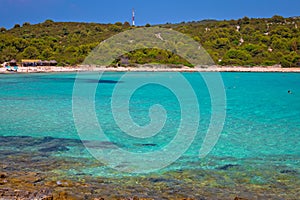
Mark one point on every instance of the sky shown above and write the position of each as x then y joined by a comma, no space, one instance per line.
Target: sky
147,11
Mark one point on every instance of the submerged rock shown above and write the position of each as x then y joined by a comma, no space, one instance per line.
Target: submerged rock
157,180
64,183
9,193
54,148
65,196
3,175
47,139
101,144
146,145
239,198
288,171
228,166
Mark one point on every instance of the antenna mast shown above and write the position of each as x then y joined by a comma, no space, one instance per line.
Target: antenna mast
133,17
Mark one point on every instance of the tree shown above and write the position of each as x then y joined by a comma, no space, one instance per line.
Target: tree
279,44
48,21
30,53
71,50
277,19
2,29
237,54
17,26
115,28
236,57
8,53
98,29
126,25
221,43
295,44
247,29
20,44
118,24
26,24
290,60
47,54
282,31
148,25
253,49
65,31
244,20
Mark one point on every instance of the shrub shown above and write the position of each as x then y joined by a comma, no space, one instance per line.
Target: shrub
2,29
17,26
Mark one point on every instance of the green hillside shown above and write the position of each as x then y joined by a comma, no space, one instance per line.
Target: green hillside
246,42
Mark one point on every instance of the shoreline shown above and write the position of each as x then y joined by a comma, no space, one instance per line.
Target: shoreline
48,69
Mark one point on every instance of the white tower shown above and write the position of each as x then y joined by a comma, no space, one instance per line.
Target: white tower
133,18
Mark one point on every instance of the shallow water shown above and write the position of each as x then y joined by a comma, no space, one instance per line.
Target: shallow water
256,156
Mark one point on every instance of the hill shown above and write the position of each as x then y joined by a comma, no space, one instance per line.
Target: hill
245,41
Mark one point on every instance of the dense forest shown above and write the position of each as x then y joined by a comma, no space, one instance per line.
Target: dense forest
247,42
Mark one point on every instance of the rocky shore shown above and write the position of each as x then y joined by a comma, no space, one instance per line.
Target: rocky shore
33,186
31,168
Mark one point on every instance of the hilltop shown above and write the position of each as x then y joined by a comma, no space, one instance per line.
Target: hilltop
246,42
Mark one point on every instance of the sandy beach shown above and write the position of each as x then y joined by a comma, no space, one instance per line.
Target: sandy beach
150,68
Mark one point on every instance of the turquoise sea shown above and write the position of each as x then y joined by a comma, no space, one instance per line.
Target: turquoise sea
257,155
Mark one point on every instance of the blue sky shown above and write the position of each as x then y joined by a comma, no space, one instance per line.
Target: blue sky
151,11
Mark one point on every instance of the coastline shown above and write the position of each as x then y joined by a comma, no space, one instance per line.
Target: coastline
150,68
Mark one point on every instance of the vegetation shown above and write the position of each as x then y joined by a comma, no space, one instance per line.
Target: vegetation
246,42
